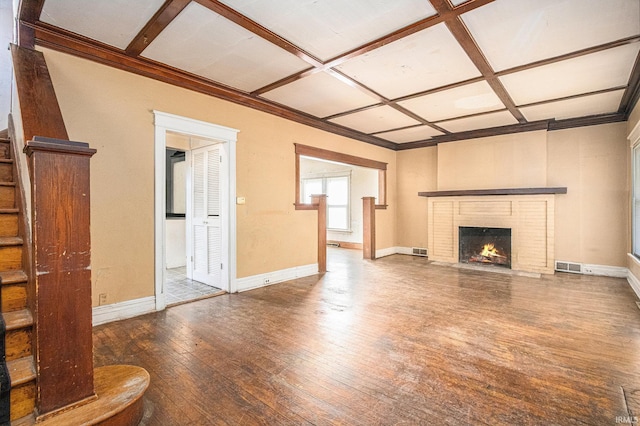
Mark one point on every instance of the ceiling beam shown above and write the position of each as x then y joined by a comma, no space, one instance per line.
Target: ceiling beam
160,20
466,41
257,29
632,94
67,42
28,13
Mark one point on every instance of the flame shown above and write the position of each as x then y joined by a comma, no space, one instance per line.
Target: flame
489,250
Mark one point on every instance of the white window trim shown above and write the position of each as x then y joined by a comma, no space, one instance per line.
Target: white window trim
324,177
634,138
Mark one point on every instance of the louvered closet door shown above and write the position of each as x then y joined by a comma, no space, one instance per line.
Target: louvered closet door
206,223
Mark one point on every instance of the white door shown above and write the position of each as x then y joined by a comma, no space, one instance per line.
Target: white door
206,223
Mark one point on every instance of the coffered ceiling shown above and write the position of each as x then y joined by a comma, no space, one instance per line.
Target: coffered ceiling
395,73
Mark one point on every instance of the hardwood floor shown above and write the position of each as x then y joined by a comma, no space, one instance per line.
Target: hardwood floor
391,341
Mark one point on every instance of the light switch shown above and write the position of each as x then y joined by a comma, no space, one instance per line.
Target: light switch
241,200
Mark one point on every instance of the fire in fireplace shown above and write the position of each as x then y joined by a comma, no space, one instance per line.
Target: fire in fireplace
489,246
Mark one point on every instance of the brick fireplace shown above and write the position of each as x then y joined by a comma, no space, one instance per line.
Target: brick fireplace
526,215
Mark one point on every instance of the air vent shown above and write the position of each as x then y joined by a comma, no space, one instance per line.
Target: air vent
575,268
416,251
333,244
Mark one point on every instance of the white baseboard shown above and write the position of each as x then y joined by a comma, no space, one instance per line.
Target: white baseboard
634,283
404,250
386,252
118,311
263,280
605,271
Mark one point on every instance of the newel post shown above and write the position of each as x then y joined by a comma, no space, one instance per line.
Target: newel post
369,228
62,345
320,201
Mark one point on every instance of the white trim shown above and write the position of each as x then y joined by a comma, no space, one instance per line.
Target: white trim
634,136
404,250
257,281
605,270
387,252
123,310
634,283
169,122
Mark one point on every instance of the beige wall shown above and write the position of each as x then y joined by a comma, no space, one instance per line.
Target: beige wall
510,161
592,220
417,172
112,111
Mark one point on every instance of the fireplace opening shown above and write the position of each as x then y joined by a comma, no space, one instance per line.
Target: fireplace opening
487,246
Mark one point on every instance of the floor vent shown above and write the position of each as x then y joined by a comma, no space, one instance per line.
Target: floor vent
575,268
416,251
333,244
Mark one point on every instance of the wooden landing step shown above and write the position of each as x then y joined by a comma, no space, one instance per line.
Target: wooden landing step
21,370
119,389
12,277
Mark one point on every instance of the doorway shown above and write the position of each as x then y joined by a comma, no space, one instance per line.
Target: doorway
206,261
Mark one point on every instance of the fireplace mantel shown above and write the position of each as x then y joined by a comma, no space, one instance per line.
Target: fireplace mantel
502,191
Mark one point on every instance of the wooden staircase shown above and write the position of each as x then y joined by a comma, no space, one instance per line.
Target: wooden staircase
17,315
118,389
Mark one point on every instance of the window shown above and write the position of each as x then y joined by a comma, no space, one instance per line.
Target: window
337,190
636,200
301,203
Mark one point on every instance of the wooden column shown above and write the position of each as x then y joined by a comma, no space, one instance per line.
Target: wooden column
321,202
369,228
63,346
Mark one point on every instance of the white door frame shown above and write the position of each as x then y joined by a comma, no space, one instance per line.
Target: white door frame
169,122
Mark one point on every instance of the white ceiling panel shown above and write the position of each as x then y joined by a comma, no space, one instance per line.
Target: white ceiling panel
458,2
425,60
601,103
327,28
411,134
376,120
101,20
204,43
464,100
494,119
602,70
517,32
324,95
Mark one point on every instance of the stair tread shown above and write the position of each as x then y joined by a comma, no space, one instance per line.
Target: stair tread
10,241
9,211
7,184
18,319
21,370
12,277
6,160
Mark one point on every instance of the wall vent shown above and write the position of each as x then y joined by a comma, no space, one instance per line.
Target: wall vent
417,251
333,244
575,268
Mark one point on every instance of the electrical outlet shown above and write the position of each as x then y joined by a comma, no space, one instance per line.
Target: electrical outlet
102,299
266,281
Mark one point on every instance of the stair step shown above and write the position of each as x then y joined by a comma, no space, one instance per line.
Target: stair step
18,319
6,170
10,241
13,277
13,297
8,224
21,370
10,257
